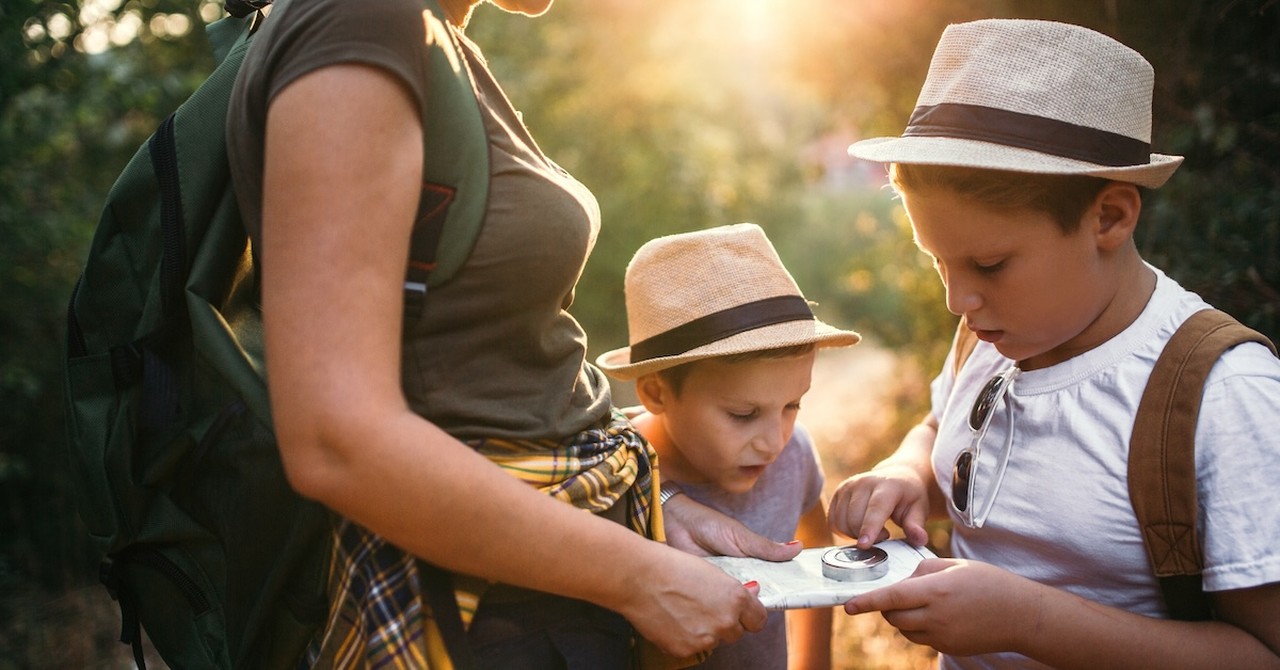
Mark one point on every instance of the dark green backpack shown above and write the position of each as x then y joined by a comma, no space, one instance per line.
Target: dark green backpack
178,477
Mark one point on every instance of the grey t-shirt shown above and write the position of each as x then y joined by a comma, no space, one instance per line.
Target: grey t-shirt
495,353
773,507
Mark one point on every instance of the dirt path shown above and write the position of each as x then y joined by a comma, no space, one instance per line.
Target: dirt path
851,391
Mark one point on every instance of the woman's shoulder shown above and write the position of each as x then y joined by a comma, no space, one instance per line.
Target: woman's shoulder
336,26
370,12
301,36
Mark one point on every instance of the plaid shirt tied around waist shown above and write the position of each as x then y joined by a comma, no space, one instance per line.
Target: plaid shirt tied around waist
378,616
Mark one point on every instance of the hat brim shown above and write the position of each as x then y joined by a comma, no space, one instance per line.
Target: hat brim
617,363
987,155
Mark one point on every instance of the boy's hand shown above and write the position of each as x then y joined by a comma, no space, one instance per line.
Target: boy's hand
699,530
863,503
958,607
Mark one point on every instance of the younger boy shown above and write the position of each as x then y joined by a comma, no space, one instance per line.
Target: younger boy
722,350
1020,172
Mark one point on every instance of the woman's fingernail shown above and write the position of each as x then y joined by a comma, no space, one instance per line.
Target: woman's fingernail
793,543
751,584
865,539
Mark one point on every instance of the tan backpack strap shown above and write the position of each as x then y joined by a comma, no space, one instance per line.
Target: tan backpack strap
1162,461
962,344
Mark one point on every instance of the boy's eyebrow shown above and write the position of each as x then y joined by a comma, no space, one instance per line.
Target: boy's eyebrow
738,400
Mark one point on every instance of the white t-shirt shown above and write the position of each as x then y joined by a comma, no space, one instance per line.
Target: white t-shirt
1062,515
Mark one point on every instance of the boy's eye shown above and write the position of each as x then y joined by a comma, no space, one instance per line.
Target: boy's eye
989,268
743,416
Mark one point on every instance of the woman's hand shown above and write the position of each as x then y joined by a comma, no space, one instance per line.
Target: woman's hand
699,530
686,605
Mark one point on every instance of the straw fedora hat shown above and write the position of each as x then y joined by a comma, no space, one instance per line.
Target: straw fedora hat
711,293
1032,96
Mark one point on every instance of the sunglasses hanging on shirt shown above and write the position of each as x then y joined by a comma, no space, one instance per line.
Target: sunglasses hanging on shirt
963,475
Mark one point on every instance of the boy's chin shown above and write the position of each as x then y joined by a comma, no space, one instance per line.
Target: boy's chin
744,480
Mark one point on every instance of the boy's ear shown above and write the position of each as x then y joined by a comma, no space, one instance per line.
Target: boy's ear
1115,214
652,392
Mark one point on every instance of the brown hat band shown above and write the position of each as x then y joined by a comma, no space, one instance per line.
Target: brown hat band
722,324
1027,131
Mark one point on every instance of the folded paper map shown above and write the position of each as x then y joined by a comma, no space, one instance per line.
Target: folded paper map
801,583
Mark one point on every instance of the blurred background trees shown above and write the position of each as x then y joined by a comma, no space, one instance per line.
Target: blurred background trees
69,121
679,115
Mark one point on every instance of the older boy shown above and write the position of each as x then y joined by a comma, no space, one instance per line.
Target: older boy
722,350
1020,172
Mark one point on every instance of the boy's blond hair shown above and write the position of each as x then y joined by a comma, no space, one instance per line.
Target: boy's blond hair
1063,197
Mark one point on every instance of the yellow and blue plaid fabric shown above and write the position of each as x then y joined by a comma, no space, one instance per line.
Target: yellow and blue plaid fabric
378,616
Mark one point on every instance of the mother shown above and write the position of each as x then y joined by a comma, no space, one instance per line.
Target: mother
327,155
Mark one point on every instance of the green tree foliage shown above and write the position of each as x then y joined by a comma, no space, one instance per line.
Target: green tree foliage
1217,225
69,121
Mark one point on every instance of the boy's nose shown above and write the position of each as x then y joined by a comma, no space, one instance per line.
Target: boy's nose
960,299
771,440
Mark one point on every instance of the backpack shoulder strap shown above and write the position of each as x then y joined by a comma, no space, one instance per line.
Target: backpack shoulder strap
1162,465
455,173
